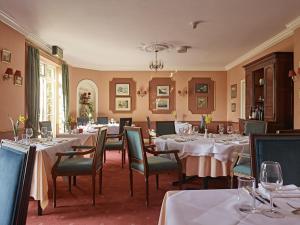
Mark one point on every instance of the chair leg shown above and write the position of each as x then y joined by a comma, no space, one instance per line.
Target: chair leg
70,183
147,191
157,181
122,158
104,157
100,181
180,178
93,187
131,182
74,181
54,191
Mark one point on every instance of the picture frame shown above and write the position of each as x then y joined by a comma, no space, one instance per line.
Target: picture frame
202,102
18,80
122,89
233,107
233,91
5,56
163,91
162,104
201,88
123,104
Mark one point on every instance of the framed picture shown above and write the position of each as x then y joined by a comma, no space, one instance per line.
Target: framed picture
202,102
122,89
233,91
123,104
18,80
163,90
6,56
162,104
233,107
201,88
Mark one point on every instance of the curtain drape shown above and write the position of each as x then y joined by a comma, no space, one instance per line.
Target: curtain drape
32,88
65,89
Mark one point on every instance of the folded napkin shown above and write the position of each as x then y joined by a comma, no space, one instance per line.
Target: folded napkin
287,191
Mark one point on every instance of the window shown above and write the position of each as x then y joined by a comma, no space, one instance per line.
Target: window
51,105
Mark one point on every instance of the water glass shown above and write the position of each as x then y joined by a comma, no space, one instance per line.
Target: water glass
246,194
271,180
50,136
195,129
44,132
229,129
24,139
29,133
221,129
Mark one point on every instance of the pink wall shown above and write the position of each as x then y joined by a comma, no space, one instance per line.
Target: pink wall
297,83
142,78
12,98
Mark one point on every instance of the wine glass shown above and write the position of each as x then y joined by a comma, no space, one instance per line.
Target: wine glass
195,129
229,129
271,180
44,132
29,133
221,129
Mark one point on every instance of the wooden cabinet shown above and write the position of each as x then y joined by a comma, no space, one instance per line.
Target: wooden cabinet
269,87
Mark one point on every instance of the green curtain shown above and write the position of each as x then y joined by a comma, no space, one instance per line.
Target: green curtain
32,88
65,89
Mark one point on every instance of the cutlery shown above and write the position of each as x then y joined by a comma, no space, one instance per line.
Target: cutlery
296,209
265,199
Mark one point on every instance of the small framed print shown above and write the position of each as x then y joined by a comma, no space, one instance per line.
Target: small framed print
122,89
202,102
163,90
123,104
162,104
5,56
233,107
201,88
233,91
18,80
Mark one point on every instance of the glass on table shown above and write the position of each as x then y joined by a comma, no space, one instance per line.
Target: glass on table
49,136
229,129
29,133
221,128
44,132
246,194
271,180
24,139
195,129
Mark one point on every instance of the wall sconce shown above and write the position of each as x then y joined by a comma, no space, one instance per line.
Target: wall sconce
141,92
18,79
293,74
183,92
8,73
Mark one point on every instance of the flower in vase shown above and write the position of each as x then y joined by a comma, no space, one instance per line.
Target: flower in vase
15,125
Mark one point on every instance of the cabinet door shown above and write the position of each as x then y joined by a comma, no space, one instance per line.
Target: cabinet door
249,93
269,113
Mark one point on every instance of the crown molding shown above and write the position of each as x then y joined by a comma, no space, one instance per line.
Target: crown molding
10,21
287,32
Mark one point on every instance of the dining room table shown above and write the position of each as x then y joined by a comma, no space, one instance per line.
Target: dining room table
204,156
207,207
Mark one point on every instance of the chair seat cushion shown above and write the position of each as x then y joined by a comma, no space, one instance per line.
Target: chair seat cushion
157,164
243,169
75,165
114,145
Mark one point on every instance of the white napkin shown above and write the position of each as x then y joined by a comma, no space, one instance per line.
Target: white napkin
287,191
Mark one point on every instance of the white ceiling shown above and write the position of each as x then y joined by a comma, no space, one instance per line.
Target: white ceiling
106,34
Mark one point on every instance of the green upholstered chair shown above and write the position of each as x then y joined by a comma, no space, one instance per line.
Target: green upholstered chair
165,127
282,148
116,141
46,124
16,168
80,166
148,165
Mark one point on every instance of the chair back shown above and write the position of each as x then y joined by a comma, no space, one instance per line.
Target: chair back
16,168
46,124
282,148
135,144
165,127
100,145
296,131
255,127
82,121
148,123
102,120
124,122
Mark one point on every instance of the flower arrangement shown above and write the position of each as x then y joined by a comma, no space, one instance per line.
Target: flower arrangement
15,125
204,120
71,122
174,113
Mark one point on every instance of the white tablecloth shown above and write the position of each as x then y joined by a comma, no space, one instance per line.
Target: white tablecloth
111,128
208,207
44,160
85,138
183,125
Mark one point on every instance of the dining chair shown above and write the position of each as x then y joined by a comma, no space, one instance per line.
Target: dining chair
165,127
147,166
116,141
255,127
282,148
46,124
81,166
295,131
16,169
82,121
102,120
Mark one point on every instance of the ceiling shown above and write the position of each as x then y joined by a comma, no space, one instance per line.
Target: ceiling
106,35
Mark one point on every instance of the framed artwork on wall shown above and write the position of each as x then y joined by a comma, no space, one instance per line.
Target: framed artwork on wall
233,91
122,89
233,107
202,102
123,104
162,104
163,90
18,80
5,56
201,88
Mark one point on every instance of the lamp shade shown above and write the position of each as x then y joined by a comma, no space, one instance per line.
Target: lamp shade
9,71
18,73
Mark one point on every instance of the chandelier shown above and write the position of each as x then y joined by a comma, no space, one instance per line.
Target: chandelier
157,64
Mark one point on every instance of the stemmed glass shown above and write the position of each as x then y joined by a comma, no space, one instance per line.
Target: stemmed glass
195,129
221,129
271,180
44,132
229,129
29,133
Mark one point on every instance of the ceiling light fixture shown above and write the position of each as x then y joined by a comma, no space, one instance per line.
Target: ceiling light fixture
156,64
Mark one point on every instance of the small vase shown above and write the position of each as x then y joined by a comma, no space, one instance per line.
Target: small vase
16,138
205,133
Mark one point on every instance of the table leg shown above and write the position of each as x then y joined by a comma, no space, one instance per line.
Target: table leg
39,208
